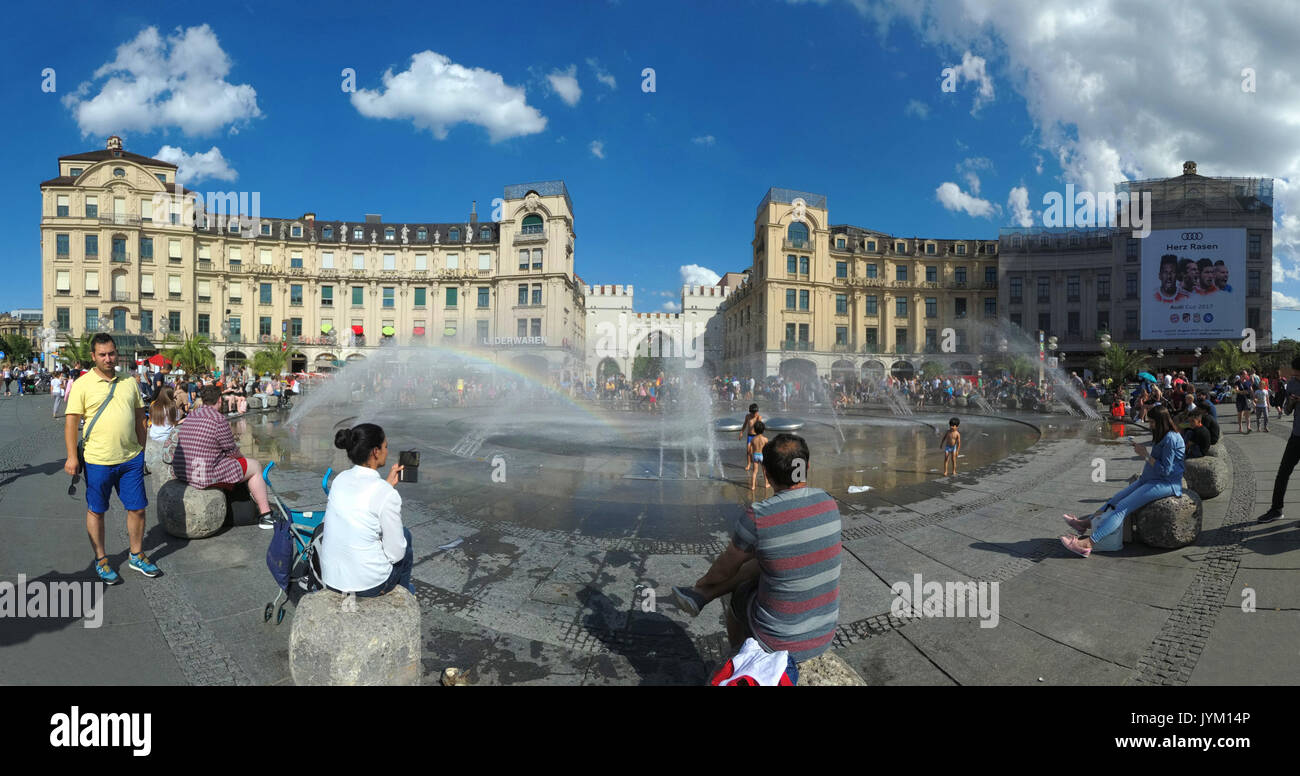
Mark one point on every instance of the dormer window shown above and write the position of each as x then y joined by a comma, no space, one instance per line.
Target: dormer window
422,233
453,235
296,230
390,233
162,178
328,233
358,233
266,229
75,171
485,233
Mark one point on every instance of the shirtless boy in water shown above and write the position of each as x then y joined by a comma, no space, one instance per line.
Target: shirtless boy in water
951,446
747,433
754,451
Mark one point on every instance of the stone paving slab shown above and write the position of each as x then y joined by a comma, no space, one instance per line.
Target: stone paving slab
890,659
1251,648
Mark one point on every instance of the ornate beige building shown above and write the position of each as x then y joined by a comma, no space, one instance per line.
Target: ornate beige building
829,299
119,256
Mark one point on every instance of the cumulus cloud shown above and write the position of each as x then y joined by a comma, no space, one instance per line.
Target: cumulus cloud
192,168
598,149
671,307
974,69
1018,203
953,198
695,275
435,93
706,140
156,83
602,75
918,109
1283,302
565,84
970,169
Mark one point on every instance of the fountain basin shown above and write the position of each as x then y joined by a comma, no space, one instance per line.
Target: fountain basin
783,424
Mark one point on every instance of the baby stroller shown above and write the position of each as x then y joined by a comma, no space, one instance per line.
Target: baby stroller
291,556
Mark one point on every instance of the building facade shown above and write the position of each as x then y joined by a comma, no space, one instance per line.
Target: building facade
617,335
1078,284
323,291
842,300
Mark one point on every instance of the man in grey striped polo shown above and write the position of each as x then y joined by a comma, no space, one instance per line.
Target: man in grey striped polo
782,566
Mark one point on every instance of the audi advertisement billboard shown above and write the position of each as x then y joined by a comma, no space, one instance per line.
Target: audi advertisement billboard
1194,284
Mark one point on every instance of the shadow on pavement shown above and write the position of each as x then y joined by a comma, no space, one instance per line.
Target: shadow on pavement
657,648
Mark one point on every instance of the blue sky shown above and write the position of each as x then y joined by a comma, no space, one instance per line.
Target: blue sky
840,97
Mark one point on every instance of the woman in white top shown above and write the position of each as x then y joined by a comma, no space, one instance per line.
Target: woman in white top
164,414
56,390
364,548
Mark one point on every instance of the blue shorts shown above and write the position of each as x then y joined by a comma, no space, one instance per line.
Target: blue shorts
127,477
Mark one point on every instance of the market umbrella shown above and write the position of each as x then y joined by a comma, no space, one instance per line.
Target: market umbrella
1147,376
159,359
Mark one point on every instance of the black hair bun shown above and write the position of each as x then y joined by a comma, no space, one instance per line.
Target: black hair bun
344,439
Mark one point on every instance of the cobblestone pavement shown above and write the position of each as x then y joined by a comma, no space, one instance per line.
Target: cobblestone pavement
517,604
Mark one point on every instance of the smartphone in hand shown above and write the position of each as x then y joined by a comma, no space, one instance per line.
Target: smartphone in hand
409,460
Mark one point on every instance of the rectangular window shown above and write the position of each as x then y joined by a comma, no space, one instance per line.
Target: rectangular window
264,326
803,299
485,262
1253,247
174,320
358,296
790,332
295,231
146,249
523,258
61,242
1017,290
327,296
900,247
390,297
453,261
205,290
61,206
295,260
521,329
1131,250
931,339
236,290
900,306
1045,322
523,294
1252,283
841,269
900,339
1131,321
537,294
1103,288
537,258
792,265
990,275
327,260
205,324
295,327
264,256
803,332
1015,319
1103,320
421,262
931,274
1252,317
295,294
871,305
420,297
92,245
1044,290
900,273
174,250
146,285
1072,288
871,339
146,320
390,261
1131,285
92,207
236,256
931,307
803,265
236,327
536,327
871,270
839,243
930,248
264,293
960,275
1072,322
841,304
63,281
92,318
358,261
451,297
482,330
961,249
990,307
789,298
484,296
841,336
92,282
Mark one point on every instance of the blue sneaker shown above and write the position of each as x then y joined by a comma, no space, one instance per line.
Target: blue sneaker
142,564
106,572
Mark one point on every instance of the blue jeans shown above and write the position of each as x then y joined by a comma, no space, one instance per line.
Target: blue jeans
400,575
1136,495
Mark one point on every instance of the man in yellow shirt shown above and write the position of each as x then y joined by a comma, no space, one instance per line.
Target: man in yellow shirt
114,452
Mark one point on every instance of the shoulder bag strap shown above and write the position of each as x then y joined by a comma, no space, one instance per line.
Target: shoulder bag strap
100,411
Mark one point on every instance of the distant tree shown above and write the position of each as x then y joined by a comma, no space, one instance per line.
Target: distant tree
77,352
192,355
1225,359
1120,364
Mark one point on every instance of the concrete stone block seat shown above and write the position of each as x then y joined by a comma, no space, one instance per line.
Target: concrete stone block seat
190,513
377,642
1169,523
829,670
1208,476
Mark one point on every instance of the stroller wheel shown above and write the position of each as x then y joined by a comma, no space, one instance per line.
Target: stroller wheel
266,615
279,615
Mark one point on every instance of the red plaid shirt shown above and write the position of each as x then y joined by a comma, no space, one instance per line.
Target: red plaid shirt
206,451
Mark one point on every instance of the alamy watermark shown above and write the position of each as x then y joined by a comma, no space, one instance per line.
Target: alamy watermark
946,599
629,337
1077,209
91,729
221,208
57,599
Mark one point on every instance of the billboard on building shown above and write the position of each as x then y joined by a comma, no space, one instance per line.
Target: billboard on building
1194,284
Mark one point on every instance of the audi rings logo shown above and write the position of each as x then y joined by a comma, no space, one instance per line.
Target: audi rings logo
1192,236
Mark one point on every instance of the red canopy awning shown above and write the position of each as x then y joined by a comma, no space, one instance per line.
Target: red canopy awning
159,360
419,331
358,330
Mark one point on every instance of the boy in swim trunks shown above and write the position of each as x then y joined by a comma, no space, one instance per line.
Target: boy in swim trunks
747,434
951,445
754,452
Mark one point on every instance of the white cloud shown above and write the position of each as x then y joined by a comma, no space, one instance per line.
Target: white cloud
1018,203
565,84
436,94
1282,301
602,75
156,84
1282,274
918,109
695,275
975,69
706,140
598,149
952,197
1038,164
671,307
196,167
969,168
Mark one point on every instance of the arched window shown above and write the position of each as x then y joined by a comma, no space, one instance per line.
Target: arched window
532,224
798,234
